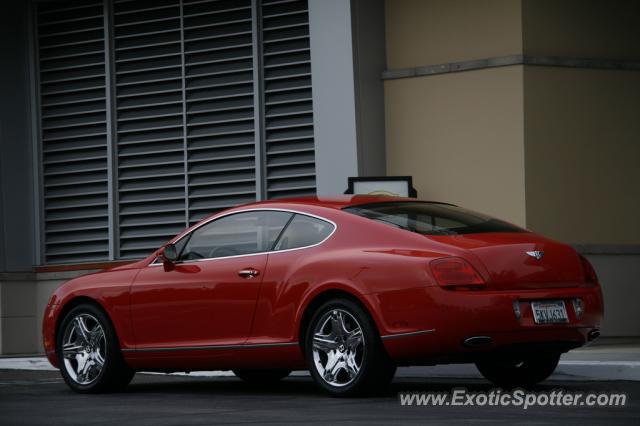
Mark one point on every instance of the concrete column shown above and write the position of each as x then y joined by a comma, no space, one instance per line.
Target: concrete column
347,59
16,168
334,104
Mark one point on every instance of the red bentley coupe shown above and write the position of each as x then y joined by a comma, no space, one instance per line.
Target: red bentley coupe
348,288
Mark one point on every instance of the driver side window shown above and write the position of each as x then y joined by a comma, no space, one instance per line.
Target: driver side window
236,234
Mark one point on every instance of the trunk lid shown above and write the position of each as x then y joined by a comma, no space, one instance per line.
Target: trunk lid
520,260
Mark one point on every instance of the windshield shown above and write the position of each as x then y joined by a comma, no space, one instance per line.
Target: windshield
432,218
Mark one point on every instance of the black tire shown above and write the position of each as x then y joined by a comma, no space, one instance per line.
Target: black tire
114,374
260,377
376,370
524,372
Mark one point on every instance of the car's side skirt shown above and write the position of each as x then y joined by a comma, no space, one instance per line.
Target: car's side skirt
211,347
411,333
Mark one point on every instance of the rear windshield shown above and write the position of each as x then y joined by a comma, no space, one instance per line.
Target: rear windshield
431,218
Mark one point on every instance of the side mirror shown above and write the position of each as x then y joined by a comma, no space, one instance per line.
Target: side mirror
169,255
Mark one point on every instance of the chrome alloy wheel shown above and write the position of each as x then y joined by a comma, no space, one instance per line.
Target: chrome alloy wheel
338,347
84,349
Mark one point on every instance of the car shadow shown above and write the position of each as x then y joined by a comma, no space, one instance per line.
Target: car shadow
304,386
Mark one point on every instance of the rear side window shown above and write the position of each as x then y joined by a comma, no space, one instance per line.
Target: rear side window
304,231
432,218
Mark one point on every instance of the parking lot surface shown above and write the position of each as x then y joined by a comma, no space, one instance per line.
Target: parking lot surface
40,397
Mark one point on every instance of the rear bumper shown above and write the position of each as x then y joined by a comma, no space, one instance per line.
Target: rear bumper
452,317
429,350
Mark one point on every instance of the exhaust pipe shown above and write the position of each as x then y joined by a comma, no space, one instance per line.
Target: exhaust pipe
593,334
476,341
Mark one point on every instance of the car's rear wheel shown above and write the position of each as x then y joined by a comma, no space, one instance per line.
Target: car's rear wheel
89,353
512,372
344,351
262,376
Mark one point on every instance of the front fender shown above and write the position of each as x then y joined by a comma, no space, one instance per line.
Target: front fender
109,290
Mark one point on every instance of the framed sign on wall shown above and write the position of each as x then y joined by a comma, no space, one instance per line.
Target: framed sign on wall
395,186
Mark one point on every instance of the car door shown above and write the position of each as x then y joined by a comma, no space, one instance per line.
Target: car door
209,297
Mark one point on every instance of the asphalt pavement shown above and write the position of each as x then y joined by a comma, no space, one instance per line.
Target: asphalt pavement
40,397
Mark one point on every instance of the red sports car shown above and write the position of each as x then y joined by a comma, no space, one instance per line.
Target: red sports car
348,288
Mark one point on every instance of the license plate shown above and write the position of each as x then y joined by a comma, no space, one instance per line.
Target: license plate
549,312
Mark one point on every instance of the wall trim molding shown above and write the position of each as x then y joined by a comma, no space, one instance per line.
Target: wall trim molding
510,60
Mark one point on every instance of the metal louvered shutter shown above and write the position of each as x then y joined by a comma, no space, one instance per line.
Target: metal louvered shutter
290,155
149,130
219,98
157,113
73,127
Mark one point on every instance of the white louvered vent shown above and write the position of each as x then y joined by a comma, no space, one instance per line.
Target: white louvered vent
193,120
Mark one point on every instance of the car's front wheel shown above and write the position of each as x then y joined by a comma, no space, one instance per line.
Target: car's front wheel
89,353
344,351
512,372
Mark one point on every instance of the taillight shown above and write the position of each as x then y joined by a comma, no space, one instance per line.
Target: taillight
589,273
456,273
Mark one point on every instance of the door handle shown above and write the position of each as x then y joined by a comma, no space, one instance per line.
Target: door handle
248,273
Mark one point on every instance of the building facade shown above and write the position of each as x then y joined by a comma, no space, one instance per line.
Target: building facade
124,121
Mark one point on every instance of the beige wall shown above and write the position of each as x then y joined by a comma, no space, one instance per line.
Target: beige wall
460,136
18,313
582,139
426,32
582,28
557,149
23,299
